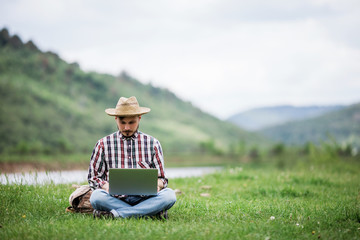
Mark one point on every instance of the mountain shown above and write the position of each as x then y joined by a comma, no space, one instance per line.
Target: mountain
51,106
259,118
342,125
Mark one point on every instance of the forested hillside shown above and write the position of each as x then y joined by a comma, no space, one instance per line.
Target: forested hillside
341,126
50,106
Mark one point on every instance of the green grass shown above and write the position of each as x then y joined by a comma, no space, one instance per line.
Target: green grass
307,202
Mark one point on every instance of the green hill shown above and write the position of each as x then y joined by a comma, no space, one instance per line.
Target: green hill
342,125
50,106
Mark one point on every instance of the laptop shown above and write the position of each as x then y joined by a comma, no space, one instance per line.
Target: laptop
133,181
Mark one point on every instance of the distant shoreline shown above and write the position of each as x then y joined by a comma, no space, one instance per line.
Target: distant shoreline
23,167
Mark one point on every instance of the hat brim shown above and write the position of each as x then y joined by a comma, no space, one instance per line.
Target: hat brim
117,112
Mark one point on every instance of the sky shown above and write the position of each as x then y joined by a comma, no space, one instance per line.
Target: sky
224,56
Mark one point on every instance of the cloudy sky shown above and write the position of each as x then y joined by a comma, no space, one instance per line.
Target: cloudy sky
225,56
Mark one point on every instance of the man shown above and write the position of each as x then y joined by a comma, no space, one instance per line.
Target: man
128,148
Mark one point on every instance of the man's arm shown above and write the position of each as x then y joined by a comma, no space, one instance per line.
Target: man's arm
97,167
158,160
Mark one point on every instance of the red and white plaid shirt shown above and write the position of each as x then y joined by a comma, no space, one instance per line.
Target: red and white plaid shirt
117,151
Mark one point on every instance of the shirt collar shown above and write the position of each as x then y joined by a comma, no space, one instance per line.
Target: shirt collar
133,137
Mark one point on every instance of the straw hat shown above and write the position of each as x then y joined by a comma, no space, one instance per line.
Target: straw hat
127,107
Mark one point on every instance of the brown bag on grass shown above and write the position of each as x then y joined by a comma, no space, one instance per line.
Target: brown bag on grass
80,200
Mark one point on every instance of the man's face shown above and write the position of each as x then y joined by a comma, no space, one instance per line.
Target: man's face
128,125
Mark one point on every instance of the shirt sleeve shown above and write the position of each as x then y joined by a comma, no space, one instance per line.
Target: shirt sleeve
158,160
97,176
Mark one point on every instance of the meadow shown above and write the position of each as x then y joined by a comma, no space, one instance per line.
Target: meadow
285,198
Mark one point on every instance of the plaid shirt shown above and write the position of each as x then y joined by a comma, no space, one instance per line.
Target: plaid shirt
117,151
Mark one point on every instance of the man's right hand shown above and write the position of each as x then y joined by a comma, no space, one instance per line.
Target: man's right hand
106,187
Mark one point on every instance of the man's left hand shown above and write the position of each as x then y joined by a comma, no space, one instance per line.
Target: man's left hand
160,185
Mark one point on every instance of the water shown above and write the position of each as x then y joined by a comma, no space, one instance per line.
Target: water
80,176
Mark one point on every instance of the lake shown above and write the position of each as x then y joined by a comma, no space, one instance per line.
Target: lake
80,176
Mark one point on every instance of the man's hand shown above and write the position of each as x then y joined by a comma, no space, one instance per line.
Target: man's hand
106,187
160,185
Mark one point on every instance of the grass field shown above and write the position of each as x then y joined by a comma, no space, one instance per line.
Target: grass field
306,201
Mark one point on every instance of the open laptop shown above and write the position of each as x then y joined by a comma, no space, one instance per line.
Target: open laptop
133,181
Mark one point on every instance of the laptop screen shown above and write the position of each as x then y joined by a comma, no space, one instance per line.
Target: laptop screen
133,181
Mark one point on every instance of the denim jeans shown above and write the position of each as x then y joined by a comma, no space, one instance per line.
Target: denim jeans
133,206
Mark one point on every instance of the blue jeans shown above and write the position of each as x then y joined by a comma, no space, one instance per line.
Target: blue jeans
133,206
